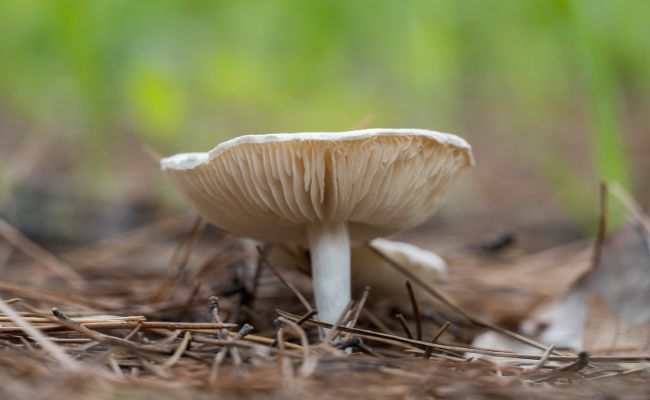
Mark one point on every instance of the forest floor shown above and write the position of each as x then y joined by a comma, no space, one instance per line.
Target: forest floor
135,316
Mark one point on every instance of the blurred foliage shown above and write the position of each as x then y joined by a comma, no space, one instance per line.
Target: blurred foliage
184,75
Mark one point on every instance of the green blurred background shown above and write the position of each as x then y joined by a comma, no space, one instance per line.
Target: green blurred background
556,88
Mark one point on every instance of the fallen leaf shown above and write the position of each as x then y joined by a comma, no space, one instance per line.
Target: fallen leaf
608,308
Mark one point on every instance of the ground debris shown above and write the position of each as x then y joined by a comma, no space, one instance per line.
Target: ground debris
143,326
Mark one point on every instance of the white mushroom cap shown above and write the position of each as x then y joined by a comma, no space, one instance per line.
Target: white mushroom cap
270,187
421,262
369,269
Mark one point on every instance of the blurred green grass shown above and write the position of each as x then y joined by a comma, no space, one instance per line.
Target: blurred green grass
183,76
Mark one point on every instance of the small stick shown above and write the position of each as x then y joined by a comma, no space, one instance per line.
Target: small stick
133,332
368,349
331,335
193,326
299,322
114,366
178,352
360,306
580,363
357,311
100,337
619,374
265,340
285,363
180,258
449,303
284,281
37,320
307,316
539,364
214,310
249,341
443,328
263,251
364,333
153,368
308,366
55,351
224,334
245,330
221,334
602,227
416,310
404,324
26,343
377,322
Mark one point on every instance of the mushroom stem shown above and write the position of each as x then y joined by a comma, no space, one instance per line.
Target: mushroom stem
329,245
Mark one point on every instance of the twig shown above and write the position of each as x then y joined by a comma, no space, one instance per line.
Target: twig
357,310
364,333
284,281
443,328
37,320
623,373
263,252
115,366
307,316
449,303
214,310
577,365
190,326
333,333
221,334
299,322
404,324
268,341
539,364
180,257
376,321
308,365
416,310
55,351
285,363
602,227
178,352
100,337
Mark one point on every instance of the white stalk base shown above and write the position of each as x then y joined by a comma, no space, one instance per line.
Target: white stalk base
329,245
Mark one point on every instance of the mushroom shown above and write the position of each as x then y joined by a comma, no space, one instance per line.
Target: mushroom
369,269
323,189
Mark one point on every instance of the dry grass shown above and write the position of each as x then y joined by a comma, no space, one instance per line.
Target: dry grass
135,317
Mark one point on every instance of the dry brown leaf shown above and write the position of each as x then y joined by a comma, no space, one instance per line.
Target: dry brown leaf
609,306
